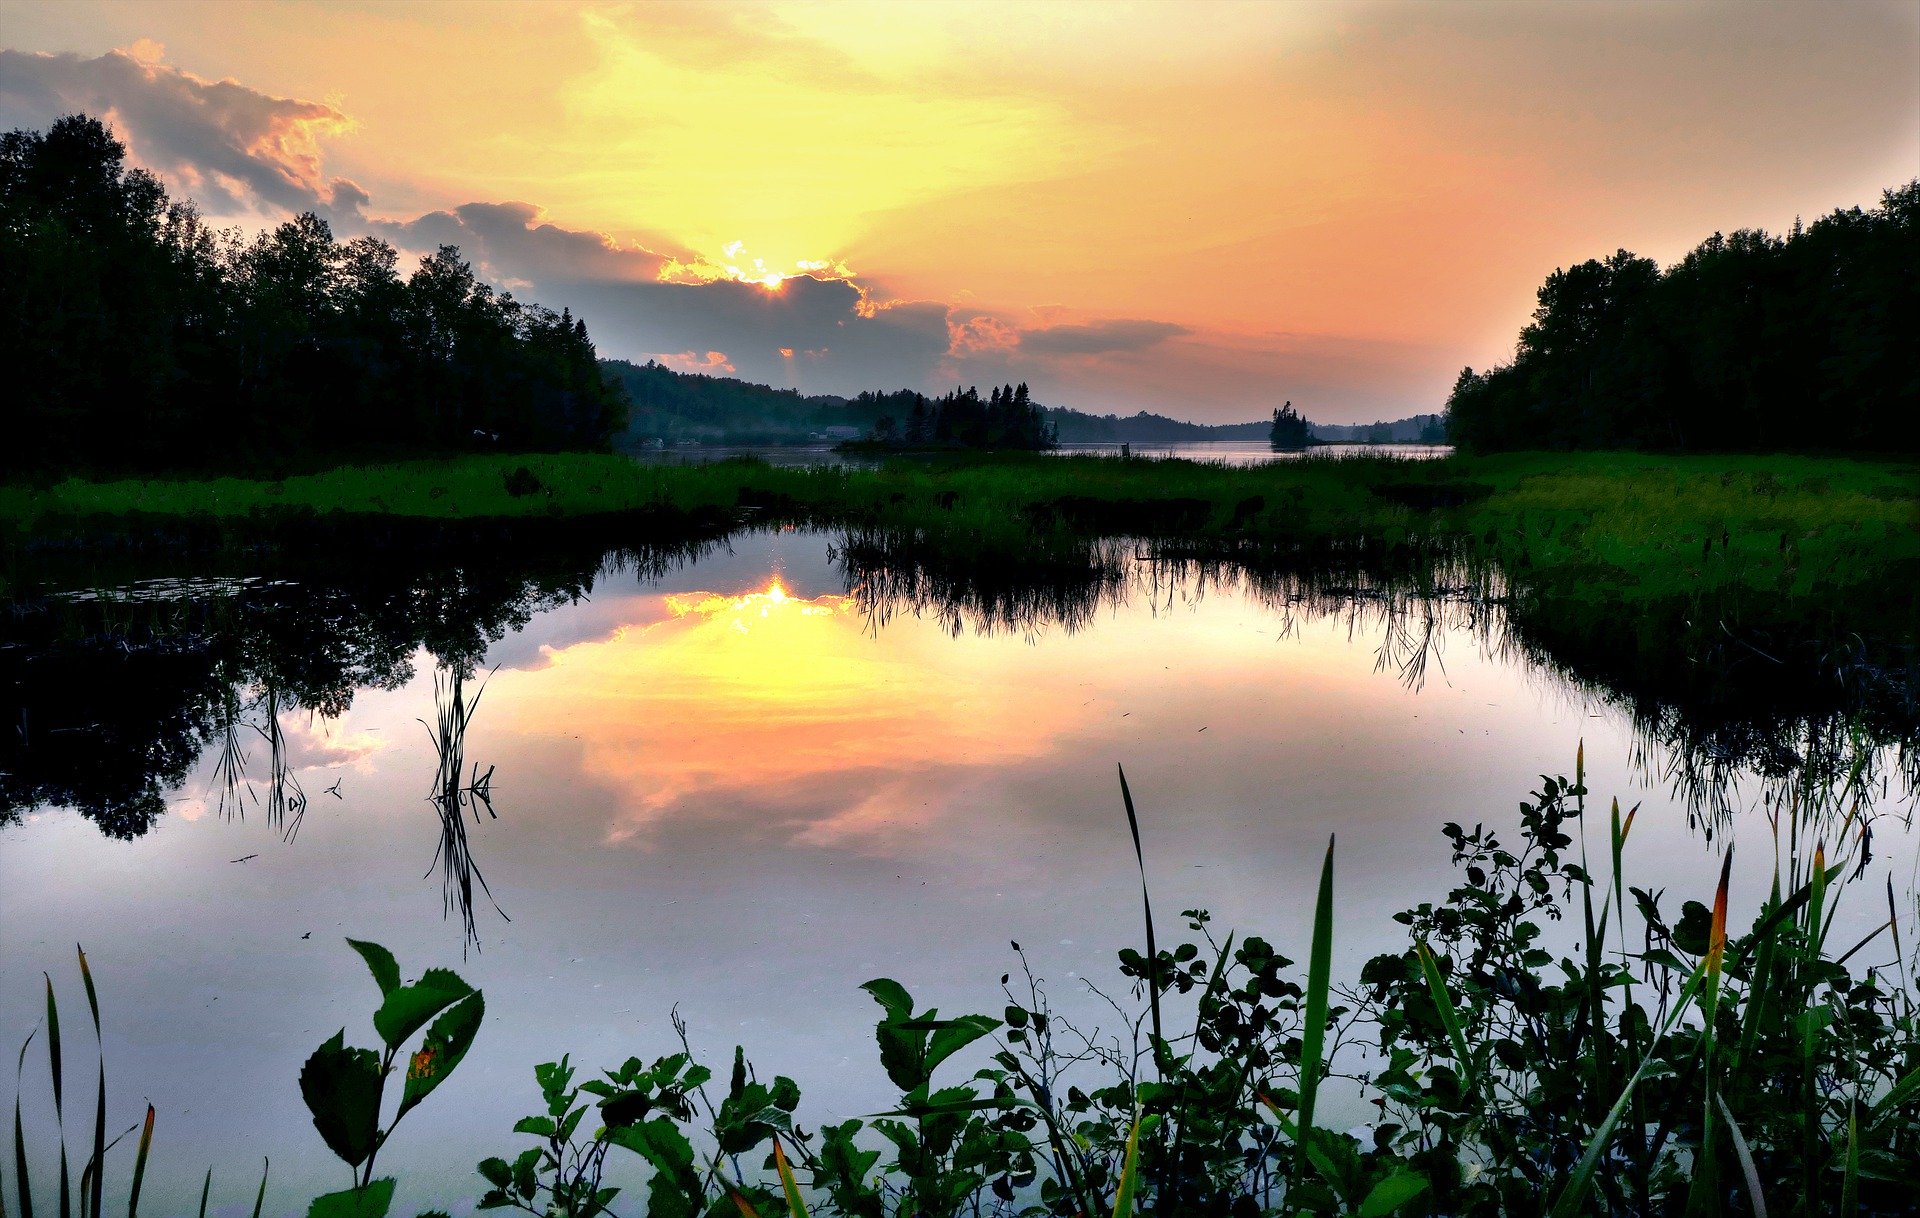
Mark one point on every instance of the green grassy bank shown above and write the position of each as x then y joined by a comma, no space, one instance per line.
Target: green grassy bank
1626,528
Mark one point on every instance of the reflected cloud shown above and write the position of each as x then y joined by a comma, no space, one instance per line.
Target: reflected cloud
783,715
314,743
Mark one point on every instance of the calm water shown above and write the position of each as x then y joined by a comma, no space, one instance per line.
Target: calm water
1255,452
734,787
1226,452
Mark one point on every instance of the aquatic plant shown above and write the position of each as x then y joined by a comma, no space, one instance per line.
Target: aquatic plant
344,1087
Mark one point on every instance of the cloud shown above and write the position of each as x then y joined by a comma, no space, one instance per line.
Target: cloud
1100,337
692,361
515,242
979,334
230,147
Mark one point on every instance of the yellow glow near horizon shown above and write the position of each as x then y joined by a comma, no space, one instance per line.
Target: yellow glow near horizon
777,141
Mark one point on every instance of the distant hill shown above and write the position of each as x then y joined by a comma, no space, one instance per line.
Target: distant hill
677,407
1078,427
1414,429
690,406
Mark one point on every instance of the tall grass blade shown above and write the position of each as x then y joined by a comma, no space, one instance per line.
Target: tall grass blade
59,1110
740,1202
260,1198
1313,1030
1850,1184
796,1205
98,1163
206,1190
1129,1173
1744,1153
1896,1095
21,1178
1706,1171
1809,1126
1146,903
1449,1017
140,1164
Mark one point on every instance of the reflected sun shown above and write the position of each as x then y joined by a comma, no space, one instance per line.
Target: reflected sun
708,704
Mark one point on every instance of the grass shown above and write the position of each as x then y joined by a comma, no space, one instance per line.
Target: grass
1631,526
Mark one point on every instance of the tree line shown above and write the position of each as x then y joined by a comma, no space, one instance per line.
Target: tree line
1751,342
1007,418
135,335
665,404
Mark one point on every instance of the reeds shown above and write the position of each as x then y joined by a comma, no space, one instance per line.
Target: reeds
454,794
88,1201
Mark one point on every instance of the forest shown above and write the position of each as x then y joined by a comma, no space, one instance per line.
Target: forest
671,406
1752,342
137,336
1007,418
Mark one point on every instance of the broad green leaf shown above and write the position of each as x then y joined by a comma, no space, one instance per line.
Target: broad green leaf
342,1088
373,1201
658,1142
526,1173
446,1044
674,1191
1391,1193
955,1035
380,962
891,995
902,1048
407,1009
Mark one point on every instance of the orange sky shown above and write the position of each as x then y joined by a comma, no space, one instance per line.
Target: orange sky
1194,209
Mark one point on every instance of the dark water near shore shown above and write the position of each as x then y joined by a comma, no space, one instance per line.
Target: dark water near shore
739,783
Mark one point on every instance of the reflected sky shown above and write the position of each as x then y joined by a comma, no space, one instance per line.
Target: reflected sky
733,791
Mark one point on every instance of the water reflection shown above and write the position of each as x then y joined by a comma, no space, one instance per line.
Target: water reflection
747,776
456,794
713,698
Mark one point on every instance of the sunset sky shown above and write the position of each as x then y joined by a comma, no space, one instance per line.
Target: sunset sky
1195,209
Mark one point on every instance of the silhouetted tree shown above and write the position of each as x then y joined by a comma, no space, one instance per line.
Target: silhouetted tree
1009,418
135,336
1751,341
1290,430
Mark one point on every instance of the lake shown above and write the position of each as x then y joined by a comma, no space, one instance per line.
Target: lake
1225,452
737,780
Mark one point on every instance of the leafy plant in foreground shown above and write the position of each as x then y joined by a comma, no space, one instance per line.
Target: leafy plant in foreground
344,1086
